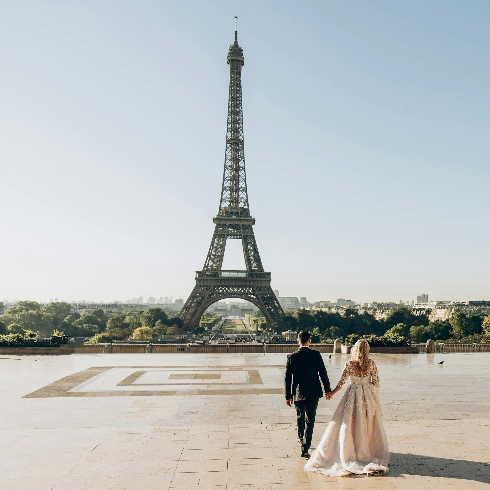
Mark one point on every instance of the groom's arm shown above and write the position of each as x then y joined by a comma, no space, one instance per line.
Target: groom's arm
323,374
288,380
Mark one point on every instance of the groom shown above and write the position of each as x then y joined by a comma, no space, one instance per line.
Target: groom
304,369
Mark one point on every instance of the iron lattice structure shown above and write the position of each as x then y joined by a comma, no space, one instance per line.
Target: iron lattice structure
233,221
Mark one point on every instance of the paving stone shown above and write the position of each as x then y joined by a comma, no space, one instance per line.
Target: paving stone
123,421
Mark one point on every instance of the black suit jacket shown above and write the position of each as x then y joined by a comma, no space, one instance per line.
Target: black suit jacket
304,369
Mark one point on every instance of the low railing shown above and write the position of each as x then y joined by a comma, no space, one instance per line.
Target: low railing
443,347
129,348
462,347
237,348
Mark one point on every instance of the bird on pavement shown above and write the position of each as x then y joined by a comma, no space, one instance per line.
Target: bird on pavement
441,363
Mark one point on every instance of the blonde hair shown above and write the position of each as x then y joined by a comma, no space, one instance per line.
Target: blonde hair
360,354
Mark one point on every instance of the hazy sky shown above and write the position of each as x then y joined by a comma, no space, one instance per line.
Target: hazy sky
366,142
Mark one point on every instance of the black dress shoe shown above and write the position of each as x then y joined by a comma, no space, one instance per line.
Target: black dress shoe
305,454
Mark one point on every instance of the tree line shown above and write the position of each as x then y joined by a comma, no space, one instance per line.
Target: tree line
400,322
30,318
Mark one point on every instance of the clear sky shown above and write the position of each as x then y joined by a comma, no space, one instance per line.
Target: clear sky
366,142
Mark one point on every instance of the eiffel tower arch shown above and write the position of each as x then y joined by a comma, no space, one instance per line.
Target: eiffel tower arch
233,222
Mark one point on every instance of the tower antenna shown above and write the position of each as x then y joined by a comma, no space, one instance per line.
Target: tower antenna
236,29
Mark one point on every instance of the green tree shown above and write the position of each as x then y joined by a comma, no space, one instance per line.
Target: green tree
287,322
419,333
15,328
39,322
3,328
486,325
159,329
150,317
12,313
101,338
464,325
399,330
115,324
143,333
440,330
88,330
80,329
117,328
315,335
405,316
175,322
133,321
58,311
22,306
173,331
94,317
326,321
369,325
305,320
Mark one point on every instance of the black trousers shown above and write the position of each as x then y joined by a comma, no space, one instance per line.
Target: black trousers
306,413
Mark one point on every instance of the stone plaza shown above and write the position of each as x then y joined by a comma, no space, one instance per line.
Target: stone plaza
220,422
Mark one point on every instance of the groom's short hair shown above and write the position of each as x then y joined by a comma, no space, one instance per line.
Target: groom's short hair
303,337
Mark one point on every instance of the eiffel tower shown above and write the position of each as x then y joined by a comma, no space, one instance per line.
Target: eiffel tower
233,221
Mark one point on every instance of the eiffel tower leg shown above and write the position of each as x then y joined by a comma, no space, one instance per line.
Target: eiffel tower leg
190,312
216,252
250,250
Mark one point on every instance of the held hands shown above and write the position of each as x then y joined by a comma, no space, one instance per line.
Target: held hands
329,395
289,402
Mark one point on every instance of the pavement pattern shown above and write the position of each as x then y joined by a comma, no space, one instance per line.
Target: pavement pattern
220,422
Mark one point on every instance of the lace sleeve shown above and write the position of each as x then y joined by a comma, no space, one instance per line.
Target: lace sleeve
374,374
345,375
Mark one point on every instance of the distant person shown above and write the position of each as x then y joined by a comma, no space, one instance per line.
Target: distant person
304,369
355,440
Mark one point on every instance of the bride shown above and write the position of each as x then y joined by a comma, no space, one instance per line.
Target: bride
355,440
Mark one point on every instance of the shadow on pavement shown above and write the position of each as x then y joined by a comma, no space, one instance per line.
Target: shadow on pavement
414,464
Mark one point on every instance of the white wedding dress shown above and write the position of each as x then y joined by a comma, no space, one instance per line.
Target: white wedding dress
355,440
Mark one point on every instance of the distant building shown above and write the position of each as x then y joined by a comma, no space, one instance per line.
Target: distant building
322,304
303,302
219,305
234,309
345,302
479,303
151,300
422,299
290,335
276,292
289,303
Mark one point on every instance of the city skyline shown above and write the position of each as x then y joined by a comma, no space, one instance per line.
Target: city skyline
366,147
300,301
